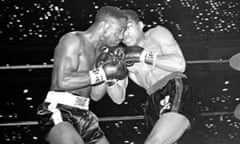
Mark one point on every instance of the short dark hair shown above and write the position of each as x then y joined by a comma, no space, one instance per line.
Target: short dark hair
131,15
109,11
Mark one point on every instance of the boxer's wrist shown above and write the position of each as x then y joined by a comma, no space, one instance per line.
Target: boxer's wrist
97,76
149,57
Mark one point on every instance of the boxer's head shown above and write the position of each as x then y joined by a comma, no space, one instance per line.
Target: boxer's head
134,31
113,24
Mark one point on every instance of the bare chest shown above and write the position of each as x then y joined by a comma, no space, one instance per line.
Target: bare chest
86,59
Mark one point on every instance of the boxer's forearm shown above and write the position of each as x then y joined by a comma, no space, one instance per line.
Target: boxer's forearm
98,91
73,80
117,91
170,62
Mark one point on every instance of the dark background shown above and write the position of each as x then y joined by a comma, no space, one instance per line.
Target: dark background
205,30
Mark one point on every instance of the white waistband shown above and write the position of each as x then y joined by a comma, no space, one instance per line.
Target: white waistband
67,98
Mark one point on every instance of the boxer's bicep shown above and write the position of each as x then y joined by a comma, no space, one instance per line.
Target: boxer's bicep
117,92
166,41
171,52
70,62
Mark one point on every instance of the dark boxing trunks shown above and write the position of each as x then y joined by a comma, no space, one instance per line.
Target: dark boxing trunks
172,94
84,121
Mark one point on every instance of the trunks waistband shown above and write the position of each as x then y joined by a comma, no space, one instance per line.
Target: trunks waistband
67,98
161,83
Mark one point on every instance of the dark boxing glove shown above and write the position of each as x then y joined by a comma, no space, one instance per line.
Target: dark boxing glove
103,58
108,67
118,51
136,54
115,70
110,54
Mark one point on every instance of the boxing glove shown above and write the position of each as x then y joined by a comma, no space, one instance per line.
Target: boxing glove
115,70
108,67
110,54
136,54
102,58
118,52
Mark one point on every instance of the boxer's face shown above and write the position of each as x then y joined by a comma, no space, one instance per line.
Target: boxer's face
114,33
133,33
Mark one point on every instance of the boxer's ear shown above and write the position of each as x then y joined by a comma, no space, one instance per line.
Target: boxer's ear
141,24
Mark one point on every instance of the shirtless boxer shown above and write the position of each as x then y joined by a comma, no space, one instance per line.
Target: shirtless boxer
156,63
64,115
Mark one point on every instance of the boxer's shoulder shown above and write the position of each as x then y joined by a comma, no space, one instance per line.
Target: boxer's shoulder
160,33
73,39
74,35
155,31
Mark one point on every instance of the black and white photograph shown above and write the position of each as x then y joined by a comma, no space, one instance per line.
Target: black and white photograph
120,71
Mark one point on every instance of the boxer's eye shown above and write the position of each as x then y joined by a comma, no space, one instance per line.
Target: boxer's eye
129,26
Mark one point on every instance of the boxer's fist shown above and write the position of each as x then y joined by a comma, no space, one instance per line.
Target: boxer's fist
108,66
109,54
103,58
119,52
133,55
115,70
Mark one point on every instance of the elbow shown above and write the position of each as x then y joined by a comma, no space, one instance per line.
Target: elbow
117,99
96,96
119,102
121,98
117,94
181,65
63,84
95,99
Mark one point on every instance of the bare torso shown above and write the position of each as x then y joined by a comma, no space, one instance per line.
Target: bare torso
85,57
143,74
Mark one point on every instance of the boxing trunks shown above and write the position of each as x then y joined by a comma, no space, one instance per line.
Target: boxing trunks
64,106
171,94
